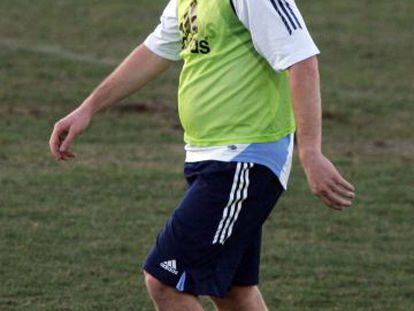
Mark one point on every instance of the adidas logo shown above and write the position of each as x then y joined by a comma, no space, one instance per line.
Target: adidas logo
170,266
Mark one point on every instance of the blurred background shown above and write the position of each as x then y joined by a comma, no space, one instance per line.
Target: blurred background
73,235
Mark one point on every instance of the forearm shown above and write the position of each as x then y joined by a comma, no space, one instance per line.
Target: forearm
140,67
305,89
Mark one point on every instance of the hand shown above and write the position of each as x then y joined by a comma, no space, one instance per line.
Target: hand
65,132
326,182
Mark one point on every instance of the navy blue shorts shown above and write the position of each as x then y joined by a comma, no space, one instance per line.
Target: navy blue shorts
212,241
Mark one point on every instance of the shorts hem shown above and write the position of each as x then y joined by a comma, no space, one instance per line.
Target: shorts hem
155,273
245,284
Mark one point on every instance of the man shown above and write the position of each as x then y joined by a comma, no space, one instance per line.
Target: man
249,68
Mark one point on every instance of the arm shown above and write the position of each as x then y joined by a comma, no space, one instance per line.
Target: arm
324,179
280,35
140,67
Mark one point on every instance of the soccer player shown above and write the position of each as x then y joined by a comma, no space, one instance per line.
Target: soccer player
249,81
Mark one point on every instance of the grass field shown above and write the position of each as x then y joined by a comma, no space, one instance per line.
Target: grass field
73,235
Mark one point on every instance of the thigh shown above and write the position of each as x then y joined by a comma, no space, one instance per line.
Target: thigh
241,298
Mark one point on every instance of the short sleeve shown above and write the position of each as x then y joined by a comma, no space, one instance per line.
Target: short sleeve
278,31
165,41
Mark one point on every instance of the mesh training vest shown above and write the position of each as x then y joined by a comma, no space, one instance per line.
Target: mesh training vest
228,93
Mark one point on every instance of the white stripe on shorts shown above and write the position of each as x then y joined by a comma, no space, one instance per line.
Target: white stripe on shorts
229,203
238,194
240,204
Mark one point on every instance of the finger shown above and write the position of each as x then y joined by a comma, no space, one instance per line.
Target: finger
330,204
337,199
339,189
54,143
70,154
64,147
67,155
344,183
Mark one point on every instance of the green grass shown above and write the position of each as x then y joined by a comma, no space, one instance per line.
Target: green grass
73,235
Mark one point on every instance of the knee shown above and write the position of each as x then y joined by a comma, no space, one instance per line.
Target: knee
241,293
156,289
237,297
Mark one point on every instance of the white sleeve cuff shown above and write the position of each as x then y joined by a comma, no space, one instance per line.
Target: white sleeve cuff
295,58
162,51
165,40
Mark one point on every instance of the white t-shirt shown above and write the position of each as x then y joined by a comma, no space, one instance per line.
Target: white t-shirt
278,32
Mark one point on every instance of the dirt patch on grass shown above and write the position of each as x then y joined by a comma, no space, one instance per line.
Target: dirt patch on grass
124,108
36,112
167,112
335,116
395,149
145,107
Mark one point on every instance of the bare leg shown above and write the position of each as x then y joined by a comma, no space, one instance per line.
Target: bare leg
166,298
246,298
